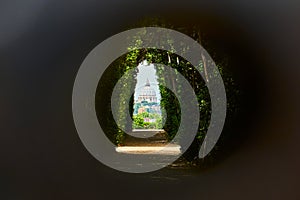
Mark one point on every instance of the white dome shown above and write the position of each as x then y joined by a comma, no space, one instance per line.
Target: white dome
147,91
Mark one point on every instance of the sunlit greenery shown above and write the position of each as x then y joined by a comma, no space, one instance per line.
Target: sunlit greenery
139,123
169,102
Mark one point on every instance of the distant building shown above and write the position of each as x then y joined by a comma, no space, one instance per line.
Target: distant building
147,101
147,94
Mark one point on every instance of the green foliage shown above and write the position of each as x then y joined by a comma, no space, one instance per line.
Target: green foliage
169,101
138,121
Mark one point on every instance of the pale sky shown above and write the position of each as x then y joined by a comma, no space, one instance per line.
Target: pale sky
146,71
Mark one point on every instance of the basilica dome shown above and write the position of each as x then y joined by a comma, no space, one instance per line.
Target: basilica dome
147,93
